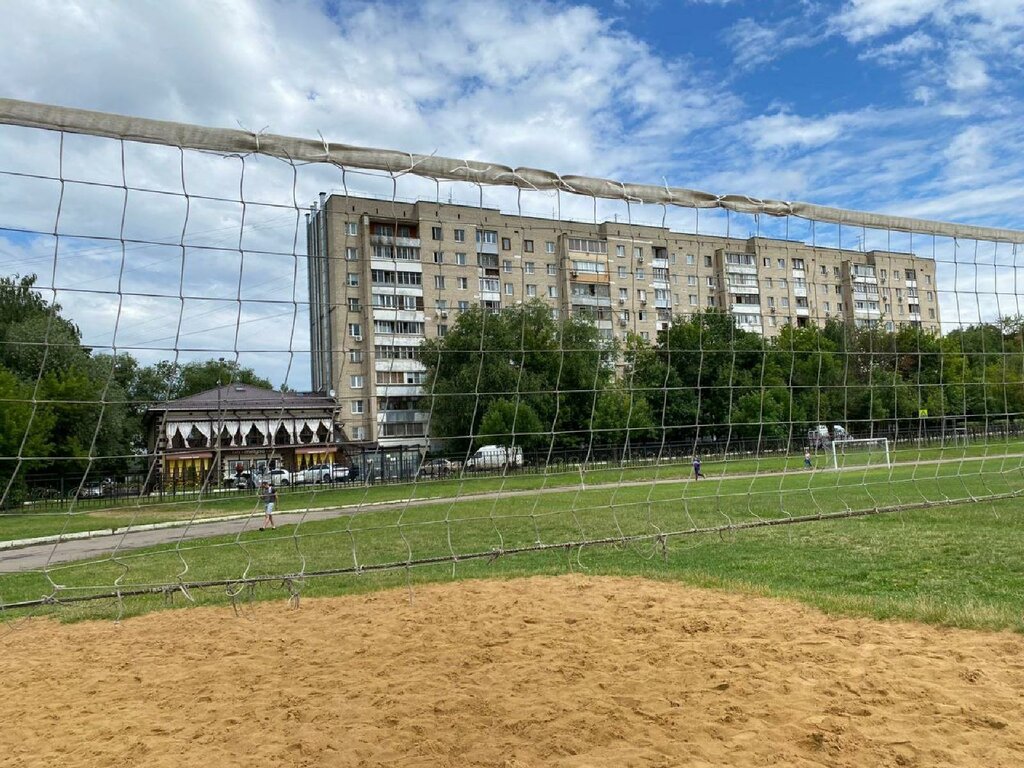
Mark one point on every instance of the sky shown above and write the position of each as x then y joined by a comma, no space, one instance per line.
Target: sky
910,107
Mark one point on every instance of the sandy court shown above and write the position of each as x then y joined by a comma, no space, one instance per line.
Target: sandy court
565,671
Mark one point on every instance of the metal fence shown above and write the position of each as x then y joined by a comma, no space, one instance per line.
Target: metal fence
403,465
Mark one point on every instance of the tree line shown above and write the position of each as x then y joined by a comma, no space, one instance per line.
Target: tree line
66,407
521,376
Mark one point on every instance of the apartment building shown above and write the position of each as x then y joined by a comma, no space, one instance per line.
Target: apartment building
384,276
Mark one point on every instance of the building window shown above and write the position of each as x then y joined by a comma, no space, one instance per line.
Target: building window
798,264
529,266
711,301
927,279
355,355
356,382
527,246
622,273
549,247
353,305
351,228
824,270
552,291
693,299
439,257
638,252
620,251
531,290
766,262
463,306
690,259
641,295
439,281
506,265
509,290
771,301
435,233
460,235
355,330
506,244
460,259
640,273
836,272
691,280
784,301
645,335
463,283
442,330
781,263
711,282
641,315
707,261
930,296
352,278
828,307
931,313
767,282
357,406
552,270
352,254
839,290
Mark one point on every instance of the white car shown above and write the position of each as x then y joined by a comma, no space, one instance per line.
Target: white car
277,477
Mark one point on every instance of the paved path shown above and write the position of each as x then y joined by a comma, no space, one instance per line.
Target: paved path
35,557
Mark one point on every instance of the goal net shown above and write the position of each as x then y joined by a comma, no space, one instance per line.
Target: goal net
430,366
851,453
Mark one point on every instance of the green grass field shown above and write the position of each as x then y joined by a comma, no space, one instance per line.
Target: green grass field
956,561
32,522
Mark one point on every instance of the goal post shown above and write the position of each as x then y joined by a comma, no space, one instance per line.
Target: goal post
859,453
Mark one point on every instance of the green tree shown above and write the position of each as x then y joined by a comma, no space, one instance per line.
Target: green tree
555,368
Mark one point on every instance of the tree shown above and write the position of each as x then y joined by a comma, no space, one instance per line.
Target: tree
554,368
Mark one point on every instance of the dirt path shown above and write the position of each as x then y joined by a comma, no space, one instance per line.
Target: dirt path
566,671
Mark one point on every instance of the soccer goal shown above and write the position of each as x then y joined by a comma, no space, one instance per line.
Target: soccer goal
857,453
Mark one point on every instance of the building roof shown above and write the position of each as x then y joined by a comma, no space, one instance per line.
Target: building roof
247,396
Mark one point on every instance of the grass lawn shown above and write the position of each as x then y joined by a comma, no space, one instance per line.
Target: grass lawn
32,522
956,563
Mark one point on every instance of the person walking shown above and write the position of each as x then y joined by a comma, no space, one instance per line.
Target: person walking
269,496
696,468
807,458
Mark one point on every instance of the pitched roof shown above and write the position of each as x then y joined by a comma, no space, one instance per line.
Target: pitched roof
246,396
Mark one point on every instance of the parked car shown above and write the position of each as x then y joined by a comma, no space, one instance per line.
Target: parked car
277,477
241,481
328,473
491,457
436,468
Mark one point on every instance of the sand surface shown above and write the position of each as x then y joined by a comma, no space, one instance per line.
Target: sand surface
570,671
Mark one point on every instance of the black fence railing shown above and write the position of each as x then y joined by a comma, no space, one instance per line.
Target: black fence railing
403,465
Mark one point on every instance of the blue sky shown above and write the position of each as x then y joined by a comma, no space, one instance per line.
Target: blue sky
911,107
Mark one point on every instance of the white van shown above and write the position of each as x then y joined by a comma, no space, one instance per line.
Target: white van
491,457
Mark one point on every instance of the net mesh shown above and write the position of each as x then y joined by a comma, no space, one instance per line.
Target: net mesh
441,363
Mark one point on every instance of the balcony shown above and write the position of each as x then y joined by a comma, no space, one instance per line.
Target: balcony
402,417
591,301
802,311
491,248
409,242
746,309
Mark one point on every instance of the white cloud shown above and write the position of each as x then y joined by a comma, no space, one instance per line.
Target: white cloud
781,131
911,45
864,19
755,44
966,72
